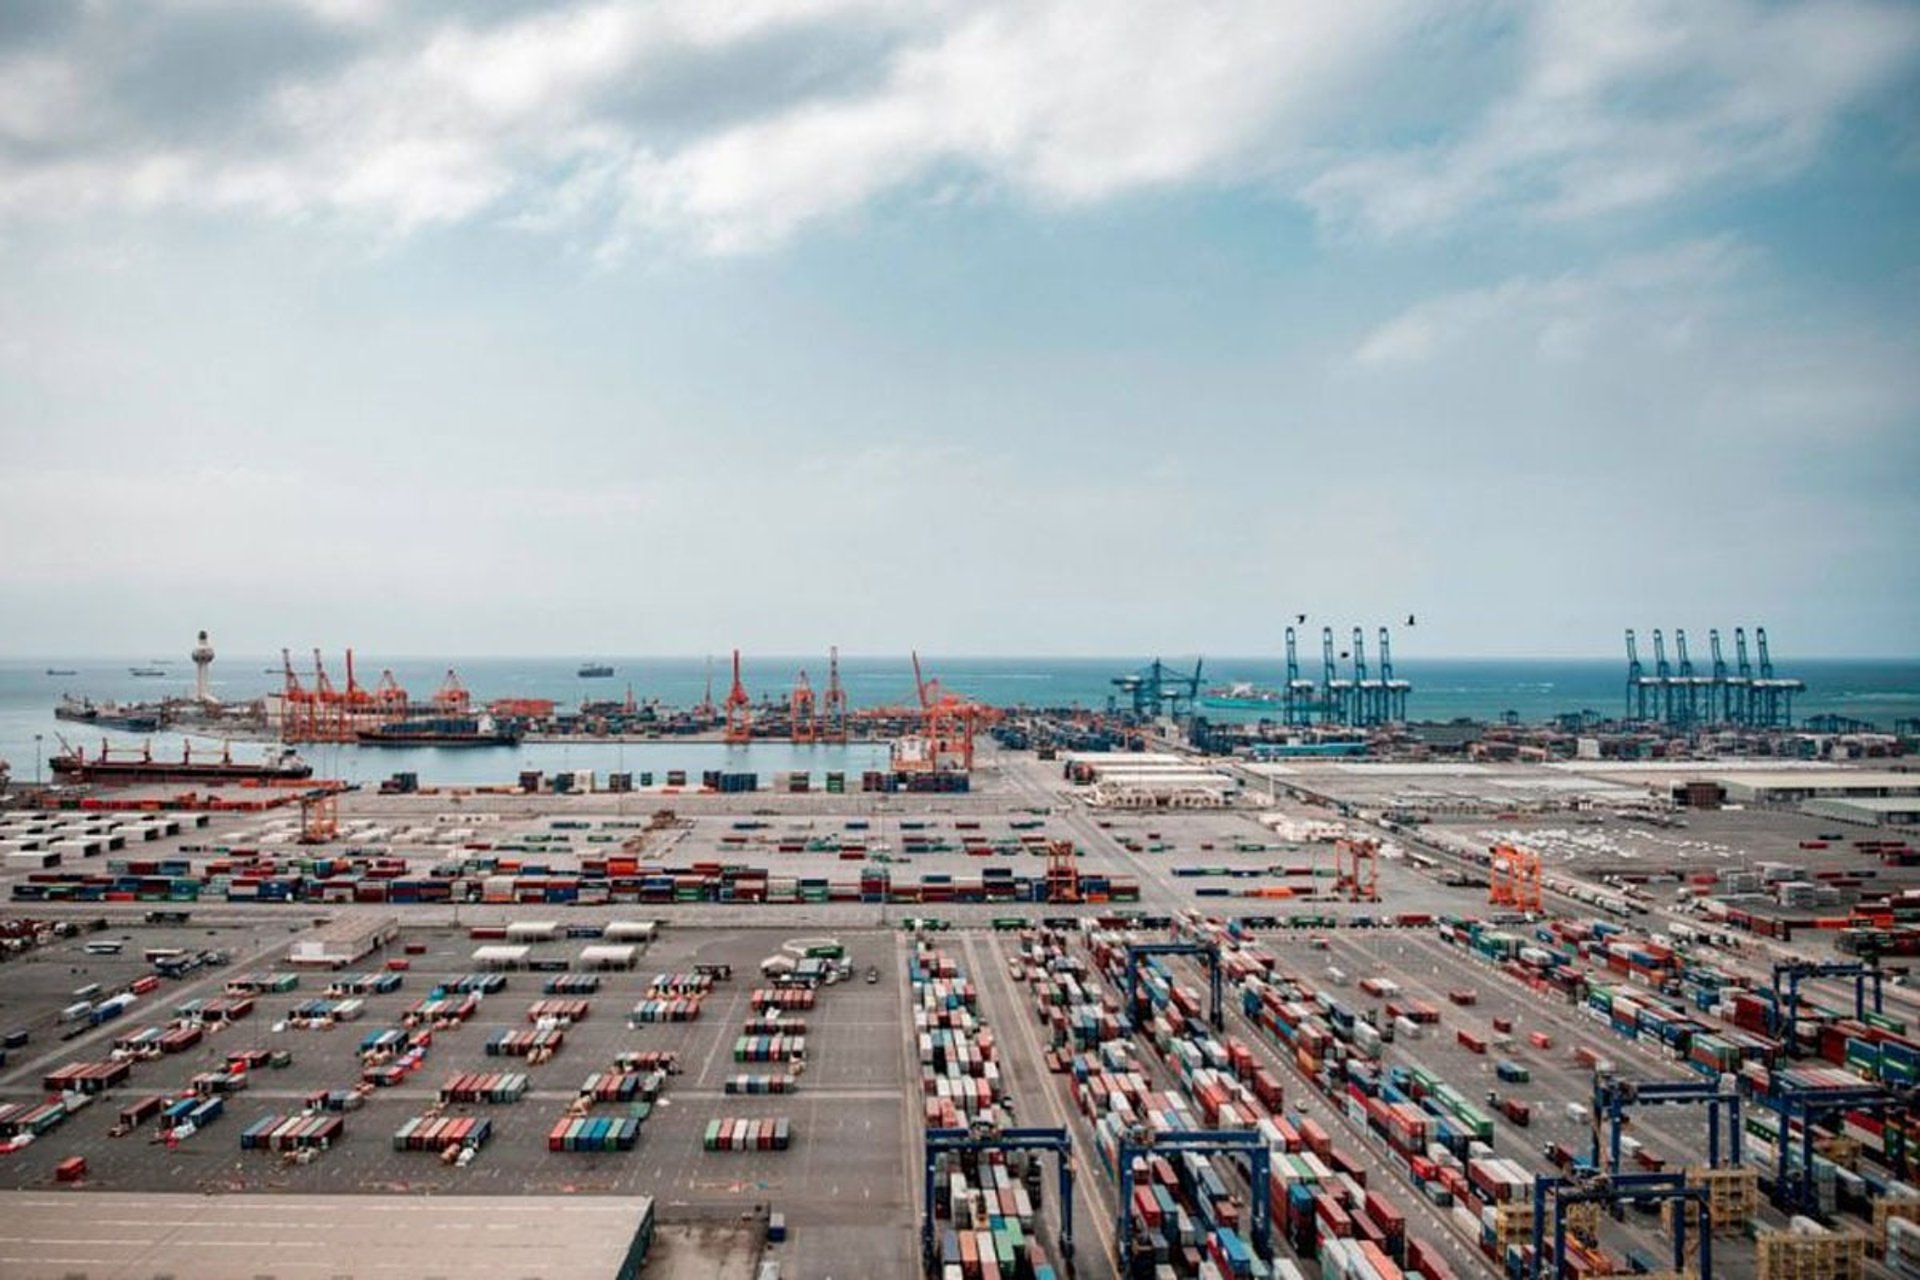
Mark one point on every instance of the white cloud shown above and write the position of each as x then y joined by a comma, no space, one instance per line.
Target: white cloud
534,119
1658,296
1624,106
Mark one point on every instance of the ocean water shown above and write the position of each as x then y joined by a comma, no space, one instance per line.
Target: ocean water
1878,691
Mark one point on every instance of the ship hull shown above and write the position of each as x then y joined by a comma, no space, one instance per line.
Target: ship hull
437,740
131,771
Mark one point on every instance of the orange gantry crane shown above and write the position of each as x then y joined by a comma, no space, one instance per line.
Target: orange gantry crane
1356,869
800,718
739,707
1063,872
1514,878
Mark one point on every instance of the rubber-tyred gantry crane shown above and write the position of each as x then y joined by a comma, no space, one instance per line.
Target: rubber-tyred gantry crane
739,707
1514,878
1063,872
1356,870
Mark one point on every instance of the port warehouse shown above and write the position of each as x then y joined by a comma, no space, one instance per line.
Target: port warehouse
246,1236
1008,1006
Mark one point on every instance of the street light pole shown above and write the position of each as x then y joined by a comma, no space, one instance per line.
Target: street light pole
36,760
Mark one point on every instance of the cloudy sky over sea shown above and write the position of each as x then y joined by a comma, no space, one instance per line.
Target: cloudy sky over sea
502,327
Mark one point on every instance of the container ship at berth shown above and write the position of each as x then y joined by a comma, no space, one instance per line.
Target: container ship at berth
73,765
107,715
1241,697
441,731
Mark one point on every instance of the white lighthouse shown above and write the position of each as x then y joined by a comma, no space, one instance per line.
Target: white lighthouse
202,659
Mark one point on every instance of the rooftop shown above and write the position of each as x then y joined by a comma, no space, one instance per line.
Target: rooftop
271,1237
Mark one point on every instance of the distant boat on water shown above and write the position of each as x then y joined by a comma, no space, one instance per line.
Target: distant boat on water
146,672
595,670
61,671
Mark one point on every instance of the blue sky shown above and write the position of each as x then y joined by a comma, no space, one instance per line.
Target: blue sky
977,327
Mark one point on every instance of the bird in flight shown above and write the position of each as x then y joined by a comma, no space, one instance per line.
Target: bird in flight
1409,619
1299,618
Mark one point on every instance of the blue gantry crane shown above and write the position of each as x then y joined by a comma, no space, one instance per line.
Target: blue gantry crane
982,1138
1636,681
1157,689
1209,953
1785,1021
1612,1097
1245,1143
1794,1188
1395,691
1615,1191
1299,700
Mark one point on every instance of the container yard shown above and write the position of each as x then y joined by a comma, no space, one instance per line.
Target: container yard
891,1019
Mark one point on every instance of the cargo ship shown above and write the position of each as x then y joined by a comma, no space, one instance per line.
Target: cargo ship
595,670
72,765
1241,697
149,673
442,731
107,716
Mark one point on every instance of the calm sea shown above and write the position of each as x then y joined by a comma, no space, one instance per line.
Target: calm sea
1878,691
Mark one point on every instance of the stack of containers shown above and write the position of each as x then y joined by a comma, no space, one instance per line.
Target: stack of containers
623,1086
557,1011
732,1134
780,1048
758,1085
673,1009
681,984
292,1133
495,1087
789,998
594,1133
538,1045
437,1133
571,984
443,1010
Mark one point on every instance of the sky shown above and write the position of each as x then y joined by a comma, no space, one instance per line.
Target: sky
979,327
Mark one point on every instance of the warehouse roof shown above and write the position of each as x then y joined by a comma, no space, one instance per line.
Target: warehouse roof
251,1237
1863,804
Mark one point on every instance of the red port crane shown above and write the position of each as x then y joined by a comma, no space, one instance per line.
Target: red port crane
739,707
389,696
329,707
452,698
833,721
804,727
296,713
